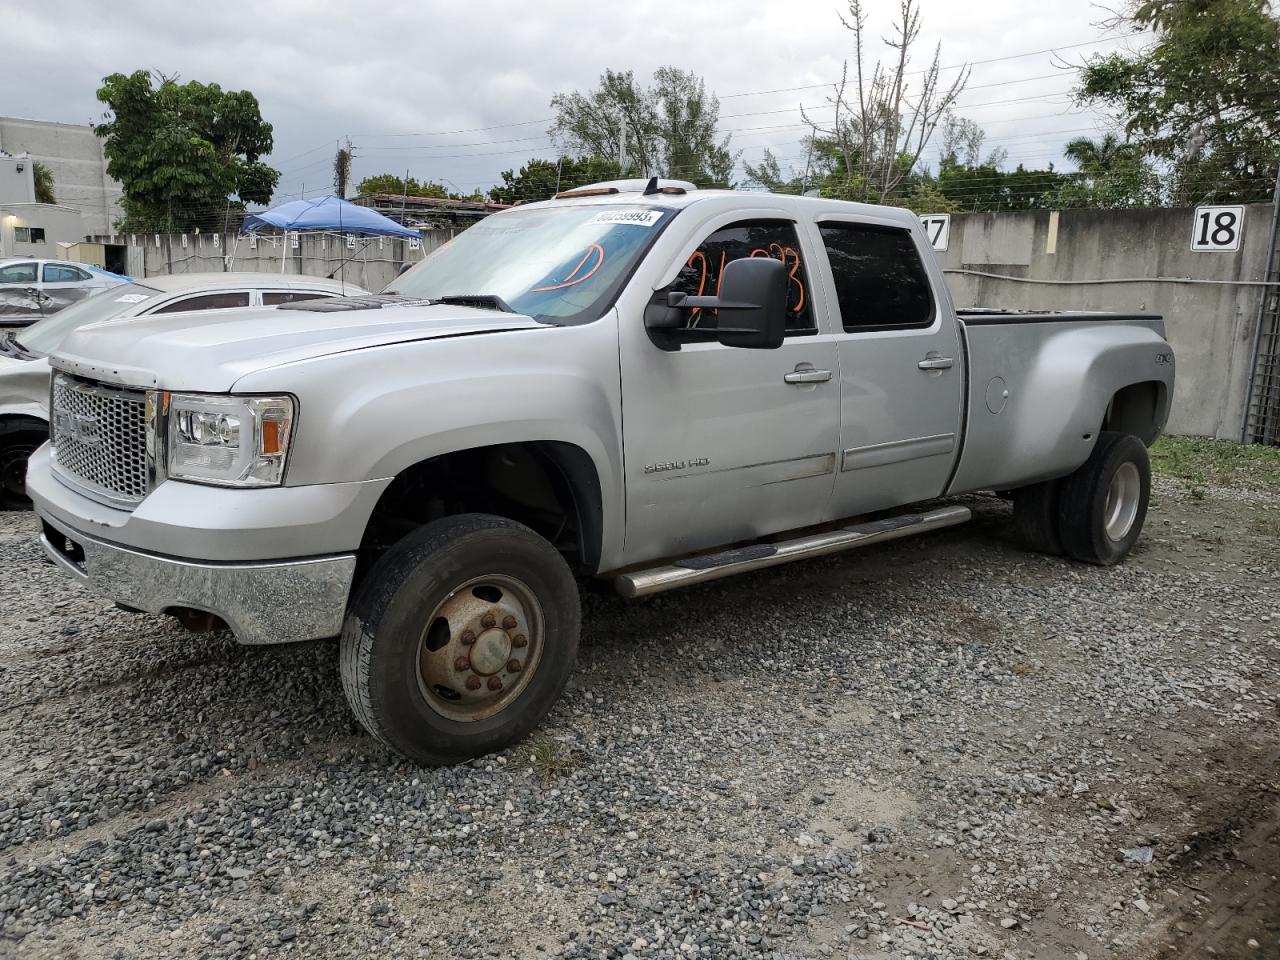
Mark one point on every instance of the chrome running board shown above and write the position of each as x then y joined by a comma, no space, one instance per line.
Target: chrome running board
714,566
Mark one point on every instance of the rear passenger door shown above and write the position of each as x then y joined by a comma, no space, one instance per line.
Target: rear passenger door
901,370
62,285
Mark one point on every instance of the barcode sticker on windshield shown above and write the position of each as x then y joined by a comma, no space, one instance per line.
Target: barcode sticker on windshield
131,298
636,218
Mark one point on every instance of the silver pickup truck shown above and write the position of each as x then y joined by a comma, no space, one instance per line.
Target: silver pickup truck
637,381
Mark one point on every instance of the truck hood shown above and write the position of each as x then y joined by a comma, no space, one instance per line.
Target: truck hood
211,351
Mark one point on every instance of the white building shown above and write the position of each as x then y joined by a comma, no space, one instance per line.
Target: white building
73,154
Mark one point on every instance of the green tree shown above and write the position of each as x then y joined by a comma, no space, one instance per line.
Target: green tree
669,128
986,187
1112,173
186,154
43,178
823,170
885,113
543,179
1096,157
411,187
1203,98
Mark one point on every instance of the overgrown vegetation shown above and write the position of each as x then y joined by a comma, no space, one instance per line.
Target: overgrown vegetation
1218,462
546,757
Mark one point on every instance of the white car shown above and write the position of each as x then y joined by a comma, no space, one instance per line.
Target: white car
31,289
24,369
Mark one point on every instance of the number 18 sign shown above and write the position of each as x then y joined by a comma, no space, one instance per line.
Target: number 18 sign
1217,229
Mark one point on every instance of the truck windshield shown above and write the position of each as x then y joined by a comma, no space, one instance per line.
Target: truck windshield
559,265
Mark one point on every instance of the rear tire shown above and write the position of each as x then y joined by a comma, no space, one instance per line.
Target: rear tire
1103,505
460,639
1035,517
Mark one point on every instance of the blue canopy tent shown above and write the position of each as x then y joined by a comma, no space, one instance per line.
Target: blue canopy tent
326,214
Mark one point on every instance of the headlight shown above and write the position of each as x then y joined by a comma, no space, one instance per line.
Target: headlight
231,441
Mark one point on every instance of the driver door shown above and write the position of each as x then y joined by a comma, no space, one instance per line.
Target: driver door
725,444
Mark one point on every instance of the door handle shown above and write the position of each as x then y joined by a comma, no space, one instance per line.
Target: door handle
936,363
807,375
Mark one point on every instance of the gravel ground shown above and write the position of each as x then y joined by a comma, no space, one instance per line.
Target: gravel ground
936,748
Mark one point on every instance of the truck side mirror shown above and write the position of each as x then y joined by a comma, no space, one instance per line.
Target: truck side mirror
753,292
752,304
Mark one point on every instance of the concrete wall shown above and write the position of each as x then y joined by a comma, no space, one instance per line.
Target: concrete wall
73,154
371,264
17,185
1210,325
60,224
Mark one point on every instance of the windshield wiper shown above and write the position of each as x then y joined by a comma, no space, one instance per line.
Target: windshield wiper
480,301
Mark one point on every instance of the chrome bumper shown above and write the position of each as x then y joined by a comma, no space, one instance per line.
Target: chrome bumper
263,602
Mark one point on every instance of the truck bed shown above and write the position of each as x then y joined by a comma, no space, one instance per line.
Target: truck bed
1040,385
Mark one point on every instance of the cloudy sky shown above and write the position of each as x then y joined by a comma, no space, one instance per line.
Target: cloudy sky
457,92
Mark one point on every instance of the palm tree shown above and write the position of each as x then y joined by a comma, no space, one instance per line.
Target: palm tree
43,178
1096,158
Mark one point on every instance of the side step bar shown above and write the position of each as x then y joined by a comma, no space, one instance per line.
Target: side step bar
714,566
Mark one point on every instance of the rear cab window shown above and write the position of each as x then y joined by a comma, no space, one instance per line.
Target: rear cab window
208,301
880,280
273,298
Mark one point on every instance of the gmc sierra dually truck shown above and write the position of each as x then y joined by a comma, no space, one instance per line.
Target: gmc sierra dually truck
636,381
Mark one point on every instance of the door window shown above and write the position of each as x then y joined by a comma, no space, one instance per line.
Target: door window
701,273
209,301
18,273
58,273
879,279
272,298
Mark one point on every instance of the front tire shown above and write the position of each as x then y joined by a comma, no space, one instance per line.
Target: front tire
18,440
460,639
1103,505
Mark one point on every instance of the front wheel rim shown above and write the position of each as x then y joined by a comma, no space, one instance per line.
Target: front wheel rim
480,648
1123,497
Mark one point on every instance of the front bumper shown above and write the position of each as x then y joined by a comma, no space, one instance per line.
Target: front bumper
276,564
275,602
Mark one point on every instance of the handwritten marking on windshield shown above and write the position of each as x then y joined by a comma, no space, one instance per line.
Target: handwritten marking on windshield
573,279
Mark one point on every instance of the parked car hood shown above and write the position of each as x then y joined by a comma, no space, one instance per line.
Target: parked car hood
210,351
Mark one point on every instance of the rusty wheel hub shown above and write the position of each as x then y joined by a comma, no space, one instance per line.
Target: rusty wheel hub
480,648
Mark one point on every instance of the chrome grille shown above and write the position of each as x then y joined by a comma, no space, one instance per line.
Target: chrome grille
100,437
